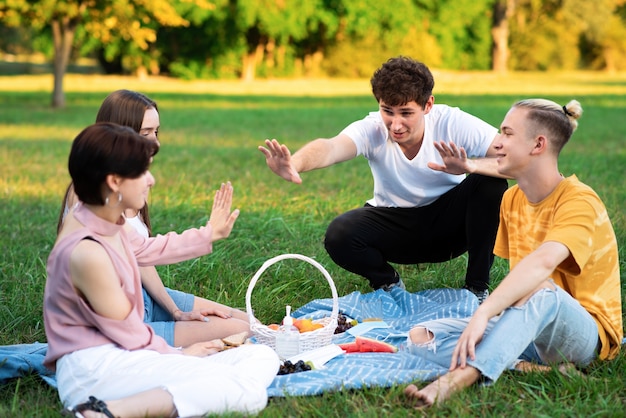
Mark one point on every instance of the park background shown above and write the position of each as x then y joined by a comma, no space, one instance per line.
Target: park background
226,76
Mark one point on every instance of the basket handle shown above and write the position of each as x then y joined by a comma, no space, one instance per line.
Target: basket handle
268,263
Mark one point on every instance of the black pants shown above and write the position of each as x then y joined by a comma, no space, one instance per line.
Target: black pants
465,219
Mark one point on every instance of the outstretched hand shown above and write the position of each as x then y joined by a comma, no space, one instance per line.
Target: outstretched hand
222,219
454,158
278,159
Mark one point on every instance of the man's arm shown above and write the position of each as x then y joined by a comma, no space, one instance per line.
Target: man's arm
531,274
455,161
319,153
526,277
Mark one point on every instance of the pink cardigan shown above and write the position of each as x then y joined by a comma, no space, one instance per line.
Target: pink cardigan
69,321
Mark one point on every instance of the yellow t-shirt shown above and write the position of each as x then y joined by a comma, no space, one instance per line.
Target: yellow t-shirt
573,215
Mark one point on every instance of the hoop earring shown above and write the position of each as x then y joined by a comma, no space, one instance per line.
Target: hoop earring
119,200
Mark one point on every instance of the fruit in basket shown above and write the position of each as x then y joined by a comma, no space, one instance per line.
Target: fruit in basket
306,325
274,327
368,345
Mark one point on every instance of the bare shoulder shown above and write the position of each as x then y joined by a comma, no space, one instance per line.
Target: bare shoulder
88,259
95,277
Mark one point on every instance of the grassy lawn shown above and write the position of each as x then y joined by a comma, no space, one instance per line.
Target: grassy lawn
210,132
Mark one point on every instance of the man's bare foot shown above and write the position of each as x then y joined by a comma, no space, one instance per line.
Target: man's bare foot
422,400
441,389
566,369
527,367
570,370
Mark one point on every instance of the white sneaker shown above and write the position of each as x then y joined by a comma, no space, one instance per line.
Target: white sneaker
388,287
480,294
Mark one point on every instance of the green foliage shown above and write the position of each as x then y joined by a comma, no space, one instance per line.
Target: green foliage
464,37
344,38
209,138
371,32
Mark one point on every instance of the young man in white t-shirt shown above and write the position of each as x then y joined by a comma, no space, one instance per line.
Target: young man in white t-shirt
419,213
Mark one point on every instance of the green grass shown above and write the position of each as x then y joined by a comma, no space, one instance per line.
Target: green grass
210,132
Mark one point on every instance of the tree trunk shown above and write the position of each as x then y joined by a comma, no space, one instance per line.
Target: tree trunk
63,30
609,61
502,11
270,57
250,61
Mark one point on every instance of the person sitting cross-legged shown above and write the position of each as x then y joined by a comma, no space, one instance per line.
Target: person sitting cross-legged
108,361
560,303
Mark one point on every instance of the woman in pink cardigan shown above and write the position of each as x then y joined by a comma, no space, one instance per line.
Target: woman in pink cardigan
179,317
93,310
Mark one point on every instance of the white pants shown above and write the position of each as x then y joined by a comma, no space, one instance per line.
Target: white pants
234,380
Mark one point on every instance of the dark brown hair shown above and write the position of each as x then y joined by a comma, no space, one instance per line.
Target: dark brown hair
102,149
401,80
126,108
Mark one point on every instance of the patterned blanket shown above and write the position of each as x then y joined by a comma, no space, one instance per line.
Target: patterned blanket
401,311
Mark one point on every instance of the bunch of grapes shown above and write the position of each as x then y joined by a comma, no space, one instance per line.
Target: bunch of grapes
342,324
288,367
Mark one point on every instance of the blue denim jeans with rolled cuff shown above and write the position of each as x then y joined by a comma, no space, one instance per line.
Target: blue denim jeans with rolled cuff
551,327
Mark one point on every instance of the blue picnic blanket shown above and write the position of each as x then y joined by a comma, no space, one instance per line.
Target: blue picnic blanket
401,311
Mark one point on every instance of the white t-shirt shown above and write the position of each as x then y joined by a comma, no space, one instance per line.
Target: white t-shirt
138,224
135,221
404,183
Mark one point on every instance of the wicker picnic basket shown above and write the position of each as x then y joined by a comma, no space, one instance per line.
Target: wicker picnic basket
308,340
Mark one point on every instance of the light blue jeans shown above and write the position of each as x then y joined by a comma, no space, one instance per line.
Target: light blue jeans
161,320
20,360
551,327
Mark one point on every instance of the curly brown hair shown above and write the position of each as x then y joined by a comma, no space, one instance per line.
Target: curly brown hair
401,80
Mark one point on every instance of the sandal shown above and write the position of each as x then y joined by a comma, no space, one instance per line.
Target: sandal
92,404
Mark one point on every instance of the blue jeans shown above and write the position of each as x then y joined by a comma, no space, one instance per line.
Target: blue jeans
551,327
161,320
22,359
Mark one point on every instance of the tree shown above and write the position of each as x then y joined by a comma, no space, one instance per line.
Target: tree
502,12
370,32
601,29
105,21
270,27
462,29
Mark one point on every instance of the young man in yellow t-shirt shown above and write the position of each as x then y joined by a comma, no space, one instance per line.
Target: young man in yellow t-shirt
561,301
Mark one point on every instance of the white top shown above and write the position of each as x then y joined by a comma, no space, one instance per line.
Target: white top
404,183
135,221
138,224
